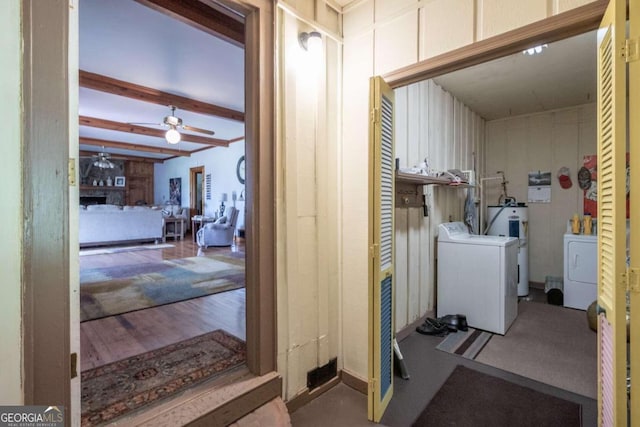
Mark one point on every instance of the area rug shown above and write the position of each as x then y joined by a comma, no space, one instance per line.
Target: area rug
118,249
465,343
117,389
120,289
471,398
550,344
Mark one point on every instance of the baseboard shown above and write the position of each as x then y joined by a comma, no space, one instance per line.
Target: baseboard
404,332
536,285
354,382
307,396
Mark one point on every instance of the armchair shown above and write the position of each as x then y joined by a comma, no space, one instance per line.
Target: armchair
219,233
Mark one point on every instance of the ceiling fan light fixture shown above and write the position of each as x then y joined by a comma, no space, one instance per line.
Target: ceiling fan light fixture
172,136
102,161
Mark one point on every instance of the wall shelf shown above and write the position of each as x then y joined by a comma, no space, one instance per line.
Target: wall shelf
417,179
409,188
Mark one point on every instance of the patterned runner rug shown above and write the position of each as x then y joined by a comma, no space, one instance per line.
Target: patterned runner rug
117,389
120,289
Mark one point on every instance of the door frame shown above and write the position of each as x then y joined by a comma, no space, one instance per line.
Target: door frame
567,24
564,25
193,185
47,246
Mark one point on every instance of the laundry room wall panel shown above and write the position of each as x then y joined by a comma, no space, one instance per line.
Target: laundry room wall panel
357,69
560,6
395,43
401,269
308,205
430,124
543,141
495,159
358,20
388,10
401,147
436,36
499,16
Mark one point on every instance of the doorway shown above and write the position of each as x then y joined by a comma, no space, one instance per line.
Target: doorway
196,199
50,29
480,52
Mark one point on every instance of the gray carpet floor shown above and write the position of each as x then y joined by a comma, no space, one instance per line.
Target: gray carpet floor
550,344
429,368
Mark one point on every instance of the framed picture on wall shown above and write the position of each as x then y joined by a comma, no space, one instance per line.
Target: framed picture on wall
119,181
175,191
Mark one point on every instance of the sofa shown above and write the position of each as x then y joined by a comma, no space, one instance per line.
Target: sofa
109,224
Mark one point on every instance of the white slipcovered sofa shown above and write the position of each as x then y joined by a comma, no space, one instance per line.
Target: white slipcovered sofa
107,224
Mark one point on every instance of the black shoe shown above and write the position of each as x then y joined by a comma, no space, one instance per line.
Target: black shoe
455,321
433,327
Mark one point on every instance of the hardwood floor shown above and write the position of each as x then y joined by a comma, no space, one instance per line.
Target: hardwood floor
113,338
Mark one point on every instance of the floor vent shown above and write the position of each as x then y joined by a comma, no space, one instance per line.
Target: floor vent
322,374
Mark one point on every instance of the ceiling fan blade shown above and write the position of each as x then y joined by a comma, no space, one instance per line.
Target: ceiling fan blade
145,124
199,130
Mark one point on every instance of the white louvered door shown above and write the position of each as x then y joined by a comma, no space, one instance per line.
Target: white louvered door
381,251
612,355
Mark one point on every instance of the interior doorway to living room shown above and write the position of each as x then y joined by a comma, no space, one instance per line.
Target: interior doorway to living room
168,111
196,203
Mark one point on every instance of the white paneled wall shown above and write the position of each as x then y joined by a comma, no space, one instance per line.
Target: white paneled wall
430,124
546,142
308,214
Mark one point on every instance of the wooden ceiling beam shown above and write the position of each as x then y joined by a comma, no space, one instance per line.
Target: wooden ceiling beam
201,16
124,157
133,147
141,130
142,93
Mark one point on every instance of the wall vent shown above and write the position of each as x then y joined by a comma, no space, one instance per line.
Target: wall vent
322,374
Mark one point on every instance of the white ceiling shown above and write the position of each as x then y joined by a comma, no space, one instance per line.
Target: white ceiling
131,42
563,75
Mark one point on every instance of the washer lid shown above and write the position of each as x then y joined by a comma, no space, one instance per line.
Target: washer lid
457,232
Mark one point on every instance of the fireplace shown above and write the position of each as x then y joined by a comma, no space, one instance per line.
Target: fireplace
93,200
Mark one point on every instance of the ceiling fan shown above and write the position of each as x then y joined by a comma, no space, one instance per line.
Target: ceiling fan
102,160
174,123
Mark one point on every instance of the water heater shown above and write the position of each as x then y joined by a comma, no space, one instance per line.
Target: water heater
513,221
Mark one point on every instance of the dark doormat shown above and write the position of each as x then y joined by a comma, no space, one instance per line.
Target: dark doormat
471,398
119,388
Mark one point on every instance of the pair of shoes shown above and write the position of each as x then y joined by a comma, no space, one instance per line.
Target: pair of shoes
454,322
432,327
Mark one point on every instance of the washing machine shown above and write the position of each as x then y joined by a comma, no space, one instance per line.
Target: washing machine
477,277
